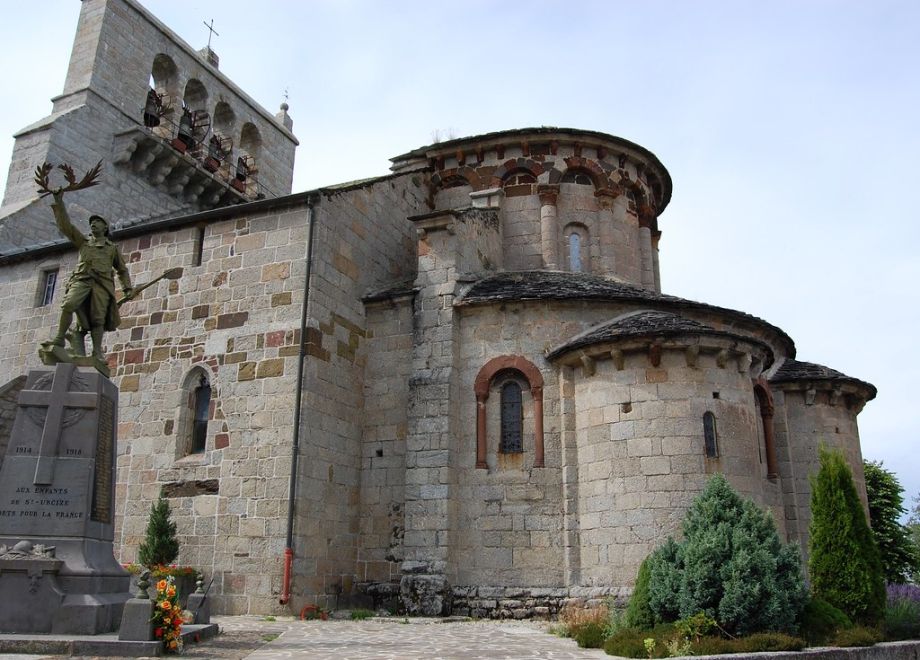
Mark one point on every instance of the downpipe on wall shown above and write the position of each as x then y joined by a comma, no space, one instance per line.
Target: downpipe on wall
298,399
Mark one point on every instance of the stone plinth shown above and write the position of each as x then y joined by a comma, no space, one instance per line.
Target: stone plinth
56,507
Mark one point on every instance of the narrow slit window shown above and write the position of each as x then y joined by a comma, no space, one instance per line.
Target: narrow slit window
710,435
199,246
49,281
575,252
512,421
202,407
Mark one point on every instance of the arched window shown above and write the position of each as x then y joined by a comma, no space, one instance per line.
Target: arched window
512,410
162,94
764,404
577,176
575,252
576,248
195,413
710,435
518,183
518,370
201,404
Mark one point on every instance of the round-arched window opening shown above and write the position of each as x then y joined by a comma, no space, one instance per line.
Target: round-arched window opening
512,419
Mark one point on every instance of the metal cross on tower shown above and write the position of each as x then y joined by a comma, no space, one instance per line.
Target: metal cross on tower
211,30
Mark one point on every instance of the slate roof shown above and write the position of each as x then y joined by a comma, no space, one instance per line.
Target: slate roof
793,370
556,285
646,323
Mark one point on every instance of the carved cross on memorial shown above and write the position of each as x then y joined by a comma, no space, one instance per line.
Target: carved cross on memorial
55,400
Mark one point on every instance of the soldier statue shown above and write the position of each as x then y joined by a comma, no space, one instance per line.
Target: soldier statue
90,292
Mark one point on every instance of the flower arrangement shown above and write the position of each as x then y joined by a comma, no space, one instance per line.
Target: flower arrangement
168,616
160,571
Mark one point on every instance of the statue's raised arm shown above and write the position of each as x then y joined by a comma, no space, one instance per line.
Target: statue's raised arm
65,226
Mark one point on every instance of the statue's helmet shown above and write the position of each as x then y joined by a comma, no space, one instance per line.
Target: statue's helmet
100,218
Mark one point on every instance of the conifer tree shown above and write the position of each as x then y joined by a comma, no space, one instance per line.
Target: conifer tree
844,562
899,553
160,546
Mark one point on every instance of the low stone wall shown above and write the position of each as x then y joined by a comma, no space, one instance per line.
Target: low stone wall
888,651
528,603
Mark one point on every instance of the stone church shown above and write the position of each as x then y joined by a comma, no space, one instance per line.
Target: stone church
457,387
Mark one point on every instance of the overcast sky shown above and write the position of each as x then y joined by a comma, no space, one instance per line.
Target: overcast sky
789,129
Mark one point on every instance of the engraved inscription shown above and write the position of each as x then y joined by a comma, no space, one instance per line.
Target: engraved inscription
102,480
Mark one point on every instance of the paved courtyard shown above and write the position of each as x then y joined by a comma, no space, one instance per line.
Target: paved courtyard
257,639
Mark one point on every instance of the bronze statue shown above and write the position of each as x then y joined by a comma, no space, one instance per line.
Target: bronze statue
90,291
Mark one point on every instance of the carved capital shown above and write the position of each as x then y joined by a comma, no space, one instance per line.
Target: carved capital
606,196
549,194
654,355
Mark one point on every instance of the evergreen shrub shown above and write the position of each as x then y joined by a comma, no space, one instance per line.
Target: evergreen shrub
821,621
844,564
730,565
160,546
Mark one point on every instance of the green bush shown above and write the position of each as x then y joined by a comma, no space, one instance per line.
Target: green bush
713,646
638,611
696,626
590,635
821,621
160,546
769,641
845,566
731,565
630,642
858,636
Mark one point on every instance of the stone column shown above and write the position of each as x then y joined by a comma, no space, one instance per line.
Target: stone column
432,423
656,237
646,260
549,226
605,221
570,532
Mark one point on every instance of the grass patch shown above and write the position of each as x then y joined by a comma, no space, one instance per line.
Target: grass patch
270,637
269,618
360,614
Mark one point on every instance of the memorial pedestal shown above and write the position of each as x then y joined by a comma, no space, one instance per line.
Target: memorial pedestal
56,493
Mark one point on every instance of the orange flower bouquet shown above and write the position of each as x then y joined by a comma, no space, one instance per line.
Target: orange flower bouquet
168,616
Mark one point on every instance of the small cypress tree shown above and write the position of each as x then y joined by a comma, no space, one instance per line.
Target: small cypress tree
160,547
639,611
845,566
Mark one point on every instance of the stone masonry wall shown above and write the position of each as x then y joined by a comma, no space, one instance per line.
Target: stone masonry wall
383,446
809,420
236,317
641,454
363,243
